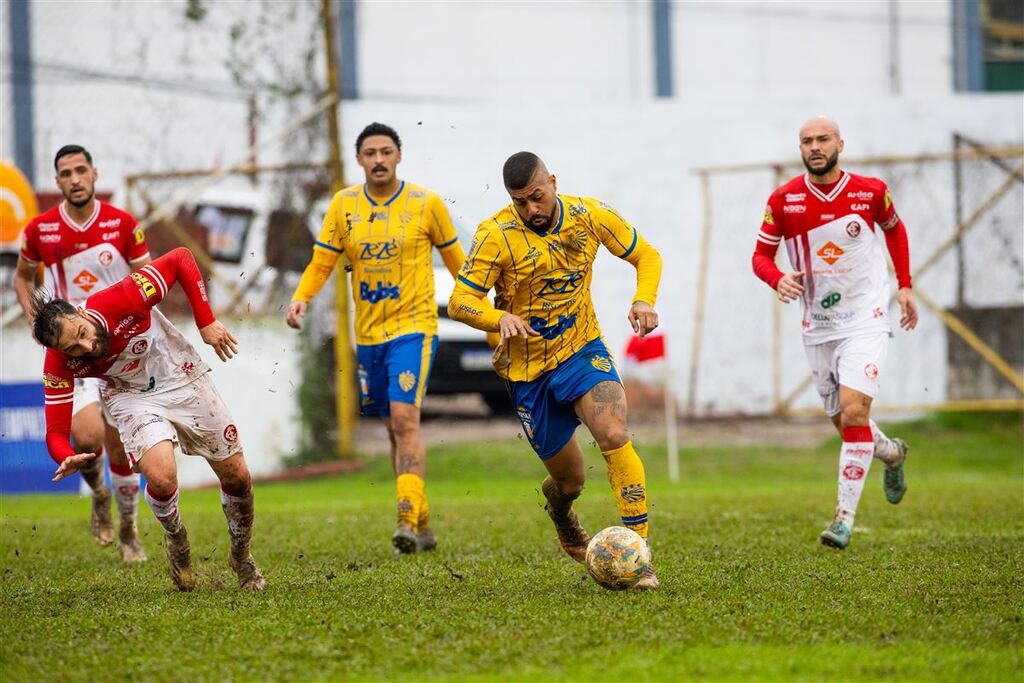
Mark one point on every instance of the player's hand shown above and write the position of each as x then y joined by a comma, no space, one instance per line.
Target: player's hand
643,318
296,312
513,326
72,465
908,308
791,286
222,341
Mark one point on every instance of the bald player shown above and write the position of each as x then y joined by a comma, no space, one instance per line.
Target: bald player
828,219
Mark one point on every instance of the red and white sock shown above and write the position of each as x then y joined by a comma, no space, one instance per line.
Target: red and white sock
126,490
238,510
854,463
165,509
885,448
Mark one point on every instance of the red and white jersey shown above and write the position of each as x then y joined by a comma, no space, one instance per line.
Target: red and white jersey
146,352
829,231
83,259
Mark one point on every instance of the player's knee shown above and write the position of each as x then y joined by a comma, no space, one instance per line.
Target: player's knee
570,487
403,427
162,483
614,437
854,415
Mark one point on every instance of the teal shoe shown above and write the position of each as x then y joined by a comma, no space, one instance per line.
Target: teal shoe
837,535
895,483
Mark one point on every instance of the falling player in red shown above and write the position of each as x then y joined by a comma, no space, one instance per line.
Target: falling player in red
86,245
159,392
827,218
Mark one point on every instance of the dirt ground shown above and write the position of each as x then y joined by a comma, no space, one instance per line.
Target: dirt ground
458,419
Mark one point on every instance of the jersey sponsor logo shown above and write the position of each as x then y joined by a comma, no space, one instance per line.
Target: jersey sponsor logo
139,236
532,254
860,207
633,493
379,251
85,280
49,239
830,252
187,367
796,196
871,371
831,299
231,433
129,366
469,309
794,208
888,199
381,215
878,313
81,245
853,472
407,380
49,227
525,419
860,194
601,363
559,284
555,331
54,382
106,257
853,229
109,236
578,210
112,223
828,216
769,219
612,211
380,293
148,288
417,194
122,327
508,225
139,347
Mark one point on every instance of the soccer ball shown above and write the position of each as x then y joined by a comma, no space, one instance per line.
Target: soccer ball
617,558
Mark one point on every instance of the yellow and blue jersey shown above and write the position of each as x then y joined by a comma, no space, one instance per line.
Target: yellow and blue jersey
389,243
544,278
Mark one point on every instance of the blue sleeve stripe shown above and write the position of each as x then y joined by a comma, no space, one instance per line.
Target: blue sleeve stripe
448,243
472,284
328,247
632,246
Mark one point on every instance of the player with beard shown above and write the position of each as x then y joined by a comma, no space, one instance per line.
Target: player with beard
388,228
158,391
538,254
86,245
827,218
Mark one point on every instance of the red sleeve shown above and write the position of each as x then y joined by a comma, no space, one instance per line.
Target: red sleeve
149,285
30,243
895,237
768,240
135,240
59,396
899,251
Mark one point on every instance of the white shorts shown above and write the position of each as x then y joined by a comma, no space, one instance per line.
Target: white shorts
854,362
87,392
193,416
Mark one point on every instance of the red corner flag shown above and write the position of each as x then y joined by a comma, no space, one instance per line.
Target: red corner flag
651,347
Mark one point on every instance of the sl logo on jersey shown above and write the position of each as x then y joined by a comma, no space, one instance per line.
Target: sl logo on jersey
407,381
559,284
54,382
147,287
85,280
378,251
601,363
633,493
830,252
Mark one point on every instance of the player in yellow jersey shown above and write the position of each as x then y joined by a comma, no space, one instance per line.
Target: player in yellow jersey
388,228
538,254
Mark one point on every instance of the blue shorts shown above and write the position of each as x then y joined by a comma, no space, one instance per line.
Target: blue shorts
545,405
397,370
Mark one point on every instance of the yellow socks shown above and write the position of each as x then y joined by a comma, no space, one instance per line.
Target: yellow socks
411,499
629,485
424,518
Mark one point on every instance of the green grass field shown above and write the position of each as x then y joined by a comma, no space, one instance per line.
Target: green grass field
928,590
